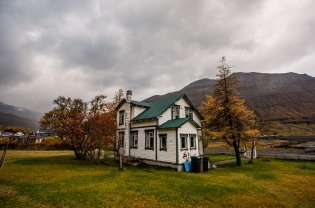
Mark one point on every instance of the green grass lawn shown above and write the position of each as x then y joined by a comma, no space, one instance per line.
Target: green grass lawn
56,179
220,157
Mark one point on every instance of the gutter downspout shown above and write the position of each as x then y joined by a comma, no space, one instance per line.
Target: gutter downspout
177,146
130,127
157,124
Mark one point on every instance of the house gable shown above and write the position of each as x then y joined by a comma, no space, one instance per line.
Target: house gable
158,107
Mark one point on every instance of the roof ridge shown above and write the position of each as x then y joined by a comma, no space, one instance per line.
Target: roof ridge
158,107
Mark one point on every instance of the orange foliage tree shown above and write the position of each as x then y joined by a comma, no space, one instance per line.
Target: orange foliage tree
88,127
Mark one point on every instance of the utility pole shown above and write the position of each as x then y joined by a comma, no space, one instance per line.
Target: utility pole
11,139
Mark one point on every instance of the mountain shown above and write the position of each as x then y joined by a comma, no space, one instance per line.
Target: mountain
16,116
288,97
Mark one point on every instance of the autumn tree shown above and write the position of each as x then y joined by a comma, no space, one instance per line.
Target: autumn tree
111,106
86,126
259,128
14,129
100,128
66,120
225,112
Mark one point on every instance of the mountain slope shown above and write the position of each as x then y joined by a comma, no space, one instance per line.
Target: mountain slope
282,97
15,116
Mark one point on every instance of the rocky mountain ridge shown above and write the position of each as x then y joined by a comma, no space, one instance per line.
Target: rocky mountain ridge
16,116
288,97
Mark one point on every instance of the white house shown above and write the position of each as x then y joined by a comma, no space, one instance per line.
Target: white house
160,131
41,135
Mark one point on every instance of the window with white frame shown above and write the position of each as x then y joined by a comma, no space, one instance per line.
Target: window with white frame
189,112
192,141
183,141
149,139
175,112
134,139
121,117
163,141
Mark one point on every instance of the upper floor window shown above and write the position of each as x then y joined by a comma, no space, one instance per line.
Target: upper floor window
189,112
149,139
121,117
175,112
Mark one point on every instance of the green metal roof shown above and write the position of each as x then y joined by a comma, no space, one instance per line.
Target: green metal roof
176,123
158,107
140,103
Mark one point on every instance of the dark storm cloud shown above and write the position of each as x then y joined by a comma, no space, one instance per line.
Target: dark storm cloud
83,48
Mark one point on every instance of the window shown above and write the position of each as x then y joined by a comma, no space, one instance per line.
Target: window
121,138
163,141
183,141
192,141
121,117
175,112
149,139
134,139
189,112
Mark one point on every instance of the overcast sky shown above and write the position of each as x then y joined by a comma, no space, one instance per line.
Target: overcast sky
84,48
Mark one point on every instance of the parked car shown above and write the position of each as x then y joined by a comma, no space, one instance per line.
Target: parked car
6,134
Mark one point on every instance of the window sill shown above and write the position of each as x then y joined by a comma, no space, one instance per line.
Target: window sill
193,148
149,148
163,149
134,147
182,149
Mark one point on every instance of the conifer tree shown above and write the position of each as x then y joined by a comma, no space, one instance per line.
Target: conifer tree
226,114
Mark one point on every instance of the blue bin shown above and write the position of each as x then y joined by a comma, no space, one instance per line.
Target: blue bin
187,166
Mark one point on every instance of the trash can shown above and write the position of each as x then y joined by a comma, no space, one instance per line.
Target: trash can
201,163
195,164
187,166
205,164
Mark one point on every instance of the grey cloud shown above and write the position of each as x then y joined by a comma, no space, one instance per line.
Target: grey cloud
147,47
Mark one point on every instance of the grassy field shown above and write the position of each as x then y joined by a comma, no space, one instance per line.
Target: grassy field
300,129
56,179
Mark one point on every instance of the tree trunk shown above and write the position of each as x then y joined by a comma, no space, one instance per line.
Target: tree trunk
79,153
252,153
121,158
237,153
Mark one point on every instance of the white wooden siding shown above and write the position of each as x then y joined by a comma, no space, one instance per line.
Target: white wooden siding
196,118
141,152
170,154
150,122
187,128
136,110
167,115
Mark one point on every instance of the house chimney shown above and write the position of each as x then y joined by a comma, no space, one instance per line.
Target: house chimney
128,96
127,122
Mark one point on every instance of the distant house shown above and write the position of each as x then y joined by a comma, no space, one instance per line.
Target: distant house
41,135
161,131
